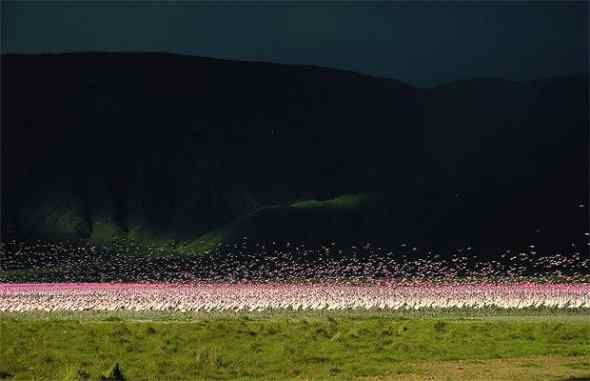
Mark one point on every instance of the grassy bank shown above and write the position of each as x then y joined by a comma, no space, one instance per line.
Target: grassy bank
303,346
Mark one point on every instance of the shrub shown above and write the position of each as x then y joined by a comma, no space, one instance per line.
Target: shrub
113,374
440,326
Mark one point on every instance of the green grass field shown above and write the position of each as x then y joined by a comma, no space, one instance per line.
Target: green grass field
298,346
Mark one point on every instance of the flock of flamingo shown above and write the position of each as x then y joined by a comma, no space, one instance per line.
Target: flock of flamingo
251,297
78,276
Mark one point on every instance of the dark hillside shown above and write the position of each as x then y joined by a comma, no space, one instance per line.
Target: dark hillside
516,157
179,145
166,146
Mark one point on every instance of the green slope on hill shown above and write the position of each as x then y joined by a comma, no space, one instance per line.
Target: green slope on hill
357,216
299,221
349,201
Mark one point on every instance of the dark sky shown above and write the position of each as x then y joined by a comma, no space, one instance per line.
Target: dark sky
421,43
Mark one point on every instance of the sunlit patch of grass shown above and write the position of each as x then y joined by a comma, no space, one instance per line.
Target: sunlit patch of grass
347,201
308,204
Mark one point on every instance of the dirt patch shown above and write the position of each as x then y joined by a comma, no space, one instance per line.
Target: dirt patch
541,368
